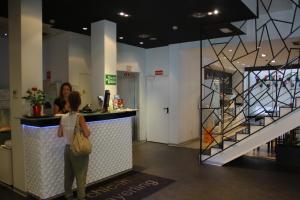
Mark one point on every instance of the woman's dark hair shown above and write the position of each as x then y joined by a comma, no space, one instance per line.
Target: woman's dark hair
61,96
74,100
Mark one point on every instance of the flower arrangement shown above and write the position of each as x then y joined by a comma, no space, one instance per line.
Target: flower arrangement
35,96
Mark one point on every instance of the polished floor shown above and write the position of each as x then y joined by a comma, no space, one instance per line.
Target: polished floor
245,178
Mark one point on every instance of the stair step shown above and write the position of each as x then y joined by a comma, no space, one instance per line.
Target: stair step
254,128
227,144
215,150
204,157
241,136
269,120
284,110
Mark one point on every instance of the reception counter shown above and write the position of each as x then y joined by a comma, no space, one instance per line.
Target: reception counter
111,137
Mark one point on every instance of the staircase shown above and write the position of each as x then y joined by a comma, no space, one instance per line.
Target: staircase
278,113
242,143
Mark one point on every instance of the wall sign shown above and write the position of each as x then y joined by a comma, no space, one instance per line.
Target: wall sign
110,79
159,72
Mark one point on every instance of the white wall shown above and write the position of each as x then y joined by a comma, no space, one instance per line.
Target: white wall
80,65
184,92
157,58
181,63
134,58
189,94
4,68
55,57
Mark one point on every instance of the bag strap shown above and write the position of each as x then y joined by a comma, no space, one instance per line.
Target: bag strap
76,127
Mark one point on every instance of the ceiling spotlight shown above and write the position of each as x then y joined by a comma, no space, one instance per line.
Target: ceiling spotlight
141,42
237,62
175,28
121,37
273,61
216,12
85,28
210,13
198,15
263,55
230,50
153,38
144,36
123,14
5,34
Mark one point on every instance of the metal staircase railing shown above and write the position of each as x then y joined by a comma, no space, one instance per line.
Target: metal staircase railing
239,116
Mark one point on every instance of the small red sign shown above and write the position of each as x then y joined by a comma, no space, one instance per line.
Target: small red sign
159,72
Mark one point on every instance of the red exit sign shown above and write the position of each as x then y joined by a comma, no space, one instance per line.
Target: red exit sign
159,72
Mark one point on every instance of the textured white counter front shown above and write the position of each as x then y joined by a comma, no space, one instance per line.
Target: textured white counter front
44,152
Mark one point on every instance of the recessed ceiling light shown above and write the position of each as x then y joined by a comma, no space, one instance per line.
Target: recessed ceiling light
237,62
216,11
141,42
121,37
210,13
273,61
175,28
123,14
153,38
85,28
198,15
144,35
5,34
263,55
230,50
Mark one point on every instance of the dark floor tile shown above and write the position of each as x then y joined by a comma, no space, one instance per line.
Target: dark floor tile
243,179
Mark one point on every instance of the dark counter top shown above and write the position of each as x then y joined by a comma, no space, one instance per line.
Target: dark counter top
53,121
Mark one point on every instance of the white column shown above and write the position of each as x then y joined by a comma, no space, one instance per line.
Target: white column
103,57
25,63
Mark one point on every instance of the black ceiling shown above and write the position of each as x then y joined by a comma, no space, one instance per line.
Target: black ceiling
153,17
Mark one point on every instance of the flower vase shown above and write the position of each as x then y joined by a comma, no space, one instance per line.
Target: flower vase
37,110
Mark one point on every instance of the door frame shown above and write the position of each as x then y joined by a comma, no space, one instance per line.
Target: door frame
137,119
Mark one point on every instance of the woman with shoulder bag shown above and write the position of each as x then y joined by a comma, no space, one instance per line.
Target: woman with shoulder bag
76,163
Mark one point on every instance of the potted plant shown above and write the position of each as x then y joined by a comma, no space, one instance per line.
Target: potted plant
36,97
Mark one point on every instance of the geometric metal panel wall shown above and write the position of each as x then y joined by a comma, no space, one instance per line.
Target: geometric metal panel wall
264,65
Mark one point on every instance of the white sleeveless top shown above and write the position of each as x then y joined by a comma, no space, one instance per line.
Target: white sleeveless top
68,122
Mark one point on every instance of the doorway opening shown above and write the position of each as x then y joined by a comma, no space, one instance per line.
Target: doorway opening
128,89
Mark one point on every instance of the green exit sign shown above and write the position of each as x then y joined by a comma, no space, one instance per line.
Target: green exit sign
110,79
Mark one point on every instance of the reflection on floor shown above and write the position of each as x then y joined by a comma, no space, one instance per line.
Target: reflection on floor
262,152
193,144
245,178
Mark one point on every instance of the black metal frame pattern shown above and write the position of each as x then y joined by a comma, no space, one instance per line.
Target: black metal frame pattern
279,88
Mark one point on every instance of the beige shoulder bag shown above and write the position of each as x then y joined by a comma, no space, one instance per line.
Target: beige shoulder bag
80,146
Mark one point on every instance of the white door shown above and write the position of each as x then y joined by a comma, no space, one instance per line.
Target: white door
157,89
